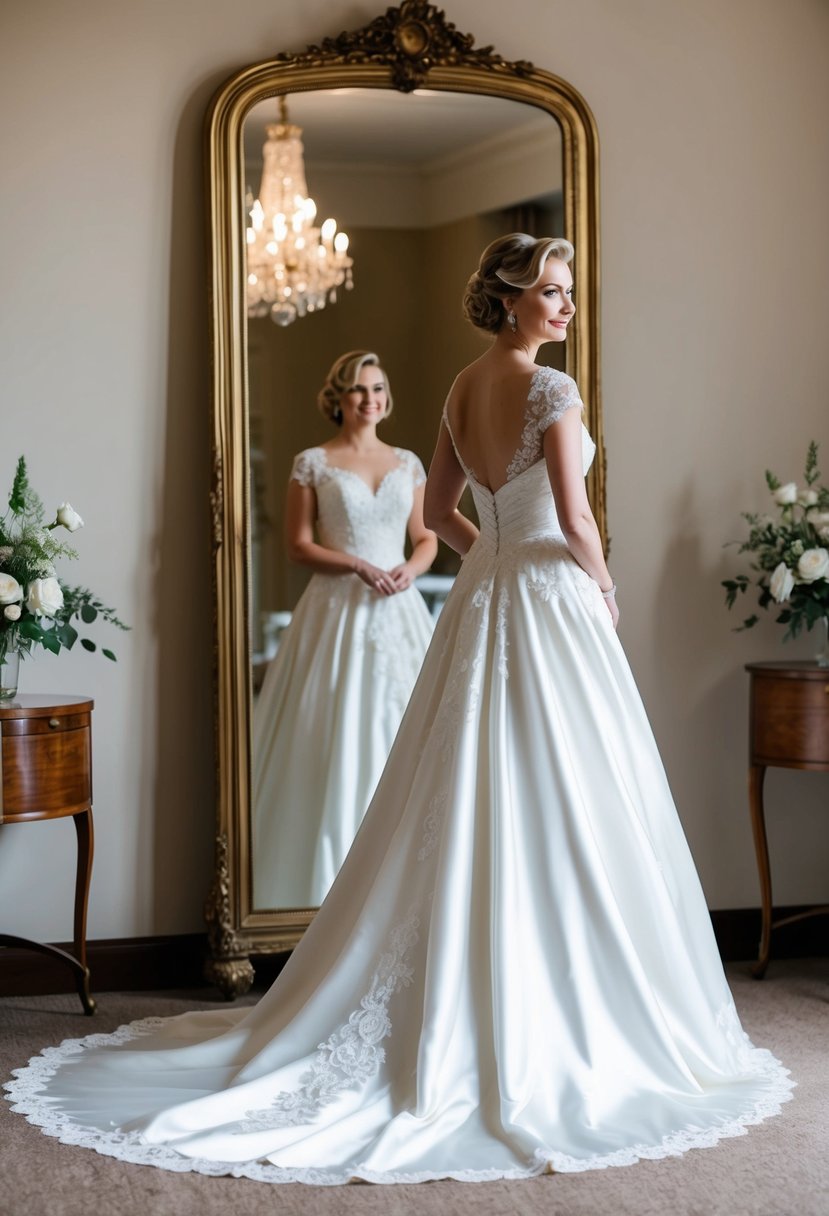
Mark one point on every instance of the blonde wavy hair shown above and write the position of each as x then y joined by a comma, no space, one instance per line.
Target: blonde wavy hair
507,267
343,376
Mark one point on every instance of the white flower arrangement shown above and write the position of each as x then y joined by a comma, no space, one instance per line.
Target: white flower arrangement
790,553
36,607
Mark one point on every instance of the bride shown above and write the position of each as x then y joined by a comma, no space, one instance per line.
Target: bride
514,972
333,697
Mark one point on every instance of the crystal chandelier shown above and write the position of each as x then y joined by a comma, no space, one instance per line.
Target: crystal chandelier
293,267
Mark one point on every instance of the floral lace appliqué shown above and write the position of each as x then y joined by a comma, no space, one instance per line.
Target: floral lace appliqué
501,638
546,585
551,395
413,465
395,648
308,467
728,1023
353,1053
463,688
431,825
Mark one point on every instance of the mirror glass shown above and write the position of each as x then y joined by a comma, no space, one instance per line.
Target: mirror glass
420,183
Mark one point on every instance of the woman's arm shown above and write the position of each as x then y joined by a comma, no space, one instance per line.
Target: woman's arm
300,513
444,486
562,451
424,546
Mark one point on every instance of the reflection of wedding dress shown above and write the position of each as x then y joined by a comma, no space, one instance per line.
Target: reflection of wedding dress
515,969
334,695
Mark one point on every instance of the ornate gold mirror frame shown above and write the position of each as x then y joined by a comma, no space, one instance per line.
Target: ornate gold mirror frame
406,48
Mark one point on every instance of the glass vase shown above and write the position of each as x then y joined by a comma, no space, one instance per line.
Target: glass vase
822,629
9,670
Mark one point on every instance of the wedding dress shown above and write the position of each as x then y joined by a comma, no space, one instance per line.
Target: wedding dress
333,697
514,971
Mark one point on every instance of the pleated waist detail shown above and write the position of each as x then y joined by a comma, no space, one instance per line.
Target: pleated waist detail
510,516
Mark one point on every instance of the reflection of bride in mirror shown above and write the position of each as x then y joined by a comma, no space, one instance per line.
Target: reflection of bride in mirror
334,695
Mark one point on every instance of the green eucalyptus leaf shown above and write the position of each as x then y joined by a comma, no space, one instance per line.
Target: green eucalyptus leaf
29,628
88,613
109,655
68,635
87,645
50,640
813,611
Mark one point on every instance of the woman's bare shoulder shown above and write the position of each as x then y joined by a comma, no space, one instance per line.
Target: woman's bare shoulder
464,378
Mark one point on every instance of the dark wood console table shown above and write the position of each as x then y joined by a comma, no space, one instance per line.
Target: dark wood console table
46,773
789,728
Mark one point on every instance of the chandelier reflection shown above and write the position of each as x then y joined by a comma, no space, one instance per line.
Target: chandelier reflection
293,267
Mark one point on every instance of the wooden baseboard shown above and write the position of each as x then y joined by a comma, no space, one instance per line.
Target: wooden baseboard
737,931
118,964
139,964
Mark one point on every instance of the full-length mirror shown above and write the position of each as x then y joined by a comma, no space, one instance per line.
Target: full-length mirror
420,183
421,165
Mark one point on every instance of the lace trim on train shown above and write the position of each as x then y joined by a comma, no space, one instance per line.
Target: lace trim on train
352,1054
551,395
25,1093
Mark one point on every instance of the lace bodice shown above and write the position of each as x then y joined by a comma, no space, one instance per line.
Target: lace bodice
523,508
351,517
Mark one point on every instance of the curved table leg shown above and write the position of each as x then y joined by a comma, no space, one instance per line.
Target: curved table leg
86,844
756,776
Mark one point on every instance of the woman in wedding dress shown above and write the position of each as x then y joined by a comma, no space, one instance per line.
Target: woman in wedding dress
514,972
333,697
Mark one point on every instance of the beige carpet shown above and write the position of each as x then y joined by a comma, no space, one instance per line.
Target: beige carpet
779,1169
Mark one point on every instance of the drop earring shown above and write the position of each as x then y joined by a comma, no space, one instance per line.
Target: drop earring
512,321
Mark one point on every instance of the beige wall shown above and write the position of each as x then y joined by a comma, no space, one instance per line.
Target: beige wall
714,186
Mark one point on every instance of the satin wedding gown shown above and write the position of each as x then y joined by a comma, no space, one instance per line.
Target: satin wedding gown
333,697
514,971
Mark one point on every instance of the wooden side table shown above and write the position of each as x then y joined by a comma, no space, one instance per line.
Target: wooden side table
789,728
46,773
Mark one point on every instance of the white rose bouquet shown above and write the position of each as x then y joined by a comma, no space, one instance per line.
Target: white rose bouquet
791,553
35,605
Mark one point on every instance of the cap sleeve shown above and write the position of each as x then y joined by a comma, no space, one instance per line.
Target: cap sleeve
307,467
553,394
413,464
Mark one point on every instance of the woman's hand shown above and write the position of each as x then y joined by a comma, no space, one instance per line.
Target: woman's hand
379,580
402,576
610,600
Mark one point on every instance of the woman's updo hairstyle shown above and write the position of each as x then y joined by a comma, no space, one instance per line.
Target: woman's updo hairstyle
342,377
506,267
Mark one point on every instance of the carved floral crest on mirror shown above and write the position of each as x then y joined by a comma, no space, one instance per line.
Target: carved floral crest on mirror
408,61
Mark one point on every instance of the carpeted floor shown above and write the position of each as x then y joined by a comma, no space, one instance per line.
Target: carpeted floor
779,1169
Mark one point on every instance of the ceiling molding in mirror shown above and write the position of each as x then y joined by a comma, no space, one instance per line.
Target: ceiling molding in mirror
404,51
